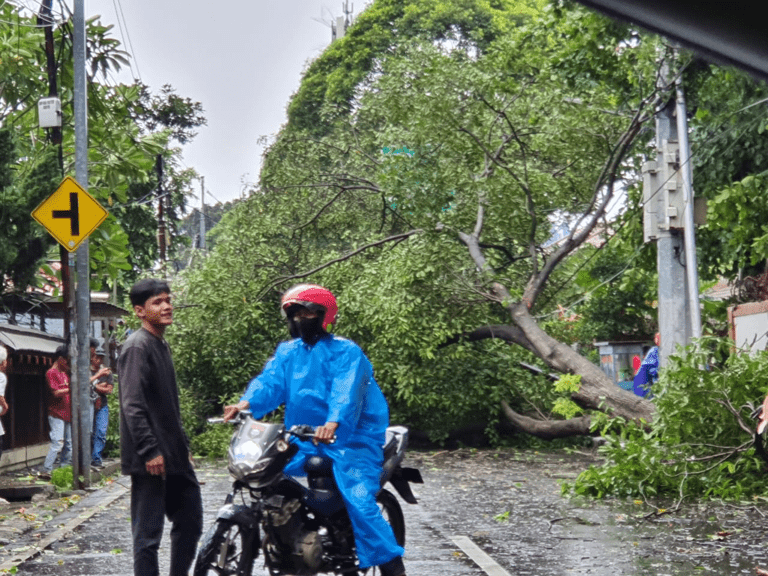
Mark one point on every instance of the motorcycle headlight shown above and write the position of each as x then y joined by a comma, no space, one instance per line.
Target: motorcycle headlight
247,451
282,445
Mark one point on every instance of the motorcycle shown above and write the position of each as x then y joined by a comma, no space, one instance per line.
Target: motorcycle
299,529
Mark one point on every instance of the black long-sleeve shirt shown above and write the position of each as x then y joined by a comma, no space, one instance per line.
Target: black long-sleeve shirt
150,420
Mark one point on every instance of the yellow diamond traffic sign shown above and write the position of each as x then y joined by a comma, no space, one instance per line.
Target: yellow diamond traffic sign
70,214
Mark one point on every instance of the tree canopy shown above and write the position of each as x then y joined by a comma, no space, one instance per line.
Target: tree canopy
427,203
422,173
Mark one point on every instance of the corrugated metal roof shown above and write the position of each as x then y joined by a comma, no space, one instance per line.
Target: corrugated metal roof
21,339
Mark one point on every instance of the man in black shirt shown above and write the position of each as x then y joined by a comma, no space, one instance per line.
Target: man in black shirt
154,449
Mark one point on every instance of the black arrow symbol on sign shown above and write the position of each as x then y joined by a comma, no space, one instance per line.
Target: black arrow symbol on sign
72,214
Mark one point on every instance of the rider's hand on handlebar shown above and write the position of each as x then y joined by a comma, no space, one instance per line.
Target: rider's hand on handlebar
326,433
232,410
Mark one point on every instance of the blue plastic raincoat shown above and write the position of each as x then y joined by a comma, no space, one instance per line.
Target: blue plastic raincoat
332,381
647,374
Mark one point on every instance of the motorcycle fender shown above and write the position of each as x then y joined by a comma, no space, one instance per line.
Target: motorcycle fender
237,514
400,480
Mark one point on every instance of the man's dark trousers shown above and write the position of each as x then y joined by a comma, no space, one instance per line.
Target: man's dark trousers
178,498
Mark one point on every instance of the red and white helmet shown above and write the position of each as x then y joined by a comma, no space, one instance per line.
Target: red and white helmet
314,297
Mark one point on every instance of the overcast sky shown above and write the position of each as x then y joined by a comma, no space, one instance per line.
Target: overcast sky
241,59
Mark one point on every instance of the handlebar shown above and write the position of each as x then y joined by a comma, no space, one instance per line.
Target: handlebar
306,432
300,431
235,419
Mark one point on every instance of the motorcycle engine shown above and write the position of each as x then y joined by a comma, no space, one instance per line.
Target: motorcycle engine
296,549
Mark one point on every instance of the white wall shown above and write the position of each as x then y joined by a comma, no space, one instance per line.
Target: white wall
749,325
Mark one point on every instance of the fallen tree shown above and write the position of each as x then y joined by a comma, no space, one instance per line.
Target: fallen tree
427,203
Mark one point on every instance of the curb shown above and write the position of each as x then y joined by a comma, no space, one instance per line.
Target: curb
67,521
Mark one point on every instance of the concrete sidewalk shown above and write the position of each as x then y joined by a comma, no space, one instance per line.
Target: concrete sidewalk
34,513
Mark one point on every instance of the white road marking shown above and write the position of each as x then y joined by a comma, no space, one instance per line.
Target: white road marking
485,562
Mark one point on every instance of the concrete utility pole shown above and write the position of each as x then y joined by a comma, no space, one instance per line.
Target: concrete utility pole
81,376
668,219
160,215
202,212
686,171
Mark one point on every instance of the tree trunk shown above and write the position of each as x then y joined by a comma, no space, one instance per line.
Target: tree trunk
597,391
547,429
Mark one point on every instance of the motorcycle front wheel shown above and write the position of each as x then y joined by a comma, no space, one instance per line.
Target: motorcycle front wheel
393,514
226,550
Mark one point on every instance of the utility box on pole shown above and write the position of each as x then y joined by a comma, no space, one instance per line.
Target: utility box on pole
49,112
663,198
341,27
672,183
650,201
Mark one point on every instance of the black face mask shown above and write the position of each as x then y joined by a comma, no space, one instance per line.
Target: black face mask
310,330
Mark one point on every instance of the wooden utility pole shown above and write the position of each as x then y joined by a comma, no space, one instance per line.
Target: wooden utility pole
45,19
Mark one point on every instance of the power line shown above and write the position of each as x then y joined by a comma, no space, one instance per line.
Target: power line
119,8
54,20
586,294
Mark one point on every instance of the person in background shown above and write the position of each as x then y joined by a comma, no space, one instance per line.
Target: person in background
59,412
93,395
101,381
3,383
648,373
154,448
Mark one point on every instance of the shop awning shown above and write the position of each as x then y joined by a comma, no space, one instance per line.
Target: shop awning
21,339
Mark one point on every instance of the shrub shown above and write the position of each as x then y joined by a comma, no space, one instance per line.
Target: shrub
697,445
62,478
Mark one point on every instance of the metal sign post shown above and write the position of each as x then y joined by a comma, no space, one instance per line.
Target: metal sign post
81,461
70,214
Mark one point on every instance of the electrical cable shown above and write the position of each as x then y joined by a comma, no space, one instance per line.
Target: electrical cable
214,197
20,7
20,25
208,217
586,294
140,201
120,15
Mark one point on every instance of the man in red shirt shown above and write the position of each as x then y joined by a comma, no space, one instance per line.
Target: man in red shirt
59,412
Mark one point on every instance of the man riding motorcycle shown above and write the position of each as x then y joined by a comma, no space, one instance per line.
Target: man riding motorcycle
327,381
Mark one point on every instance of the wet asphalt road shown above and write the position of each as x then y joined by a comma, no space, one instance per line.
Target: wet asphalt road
482,513
102,544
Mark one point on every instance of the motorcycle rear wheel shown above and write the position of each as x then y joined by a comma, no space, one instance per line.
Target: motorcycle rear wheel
226,550
393,514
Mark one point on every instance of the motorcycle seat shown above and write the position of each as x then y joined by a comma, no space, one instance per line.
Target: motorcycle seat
319,466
